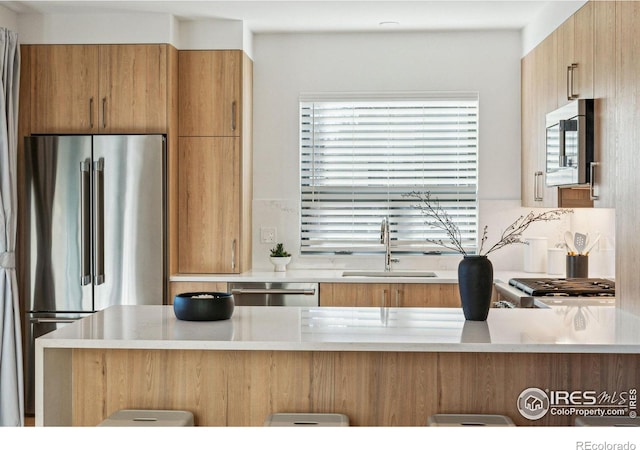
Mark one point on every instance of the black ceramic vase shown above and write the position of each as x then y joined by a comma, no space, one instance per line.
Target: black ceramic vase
475,281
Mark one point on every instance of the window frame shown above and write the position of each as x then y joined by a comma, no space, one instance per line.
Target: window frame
418,246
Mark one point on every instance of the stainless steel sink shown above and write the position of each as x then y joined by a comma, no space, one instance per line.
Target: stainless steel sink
392,274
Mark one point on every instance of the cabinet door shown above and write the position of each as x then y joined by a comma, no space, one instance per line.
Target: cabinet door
583,48
179,287
539,96
208,205
531,179
546,101
64,88
390,295
438,295
604,87
133,89
355,294
210,82
575,56
562,78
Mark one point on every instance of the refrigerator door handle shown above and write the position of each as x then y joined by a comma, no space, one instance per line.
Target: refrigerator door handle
98,211
85,224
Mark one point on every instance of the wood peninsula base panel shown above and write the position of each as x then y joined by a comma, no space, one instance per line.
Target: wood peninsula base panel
241,388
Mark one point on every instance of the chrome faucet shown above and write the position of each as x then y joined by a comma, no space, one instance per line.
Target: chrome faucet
385,238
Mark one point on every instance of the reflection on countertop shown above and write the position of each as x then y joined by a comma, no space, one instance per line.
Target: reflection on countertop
567,329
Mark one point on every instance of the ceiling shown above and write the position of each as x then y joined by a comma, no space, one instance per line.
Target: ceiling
265,16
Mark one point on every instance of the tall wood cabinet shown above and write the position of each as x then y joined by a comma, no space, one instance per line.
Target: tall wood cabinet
214,165
99,88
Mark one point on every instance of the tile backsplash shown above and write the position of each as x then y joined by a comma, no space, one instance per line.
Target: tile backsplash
283,215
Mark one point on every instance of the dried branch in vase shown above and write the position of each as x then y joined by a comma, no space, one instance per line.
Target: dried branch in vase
438,218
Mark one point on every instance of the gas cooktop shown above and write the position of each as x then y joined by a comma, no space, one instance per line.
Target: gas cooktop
566,287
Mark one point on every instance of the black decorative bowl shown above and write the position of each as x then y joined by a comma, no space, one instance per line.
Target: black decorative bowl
203,306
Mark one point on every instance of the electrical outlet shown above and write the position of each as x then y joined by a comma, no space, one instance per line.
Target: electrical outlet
267,235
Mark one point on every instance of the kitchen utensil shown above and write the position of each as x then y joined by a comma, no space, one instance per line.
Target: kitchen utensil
591,245
579,242
568,240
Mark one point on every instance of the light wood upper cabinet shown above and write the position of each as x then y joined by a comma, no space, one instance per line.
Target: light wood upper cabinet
390,294
210,86
208,216
99,88
539,96
64,88
575,56
133,89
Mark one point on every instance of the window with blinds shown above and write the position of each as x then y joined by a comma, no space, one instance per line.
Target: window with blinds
359,158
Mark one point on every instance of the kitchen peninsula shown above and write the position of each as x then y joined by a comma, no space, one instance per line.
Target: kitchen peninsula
379,366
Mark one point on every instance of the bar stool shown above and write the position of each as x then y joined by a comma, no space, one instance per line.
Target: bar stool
148,418
313,420
460,420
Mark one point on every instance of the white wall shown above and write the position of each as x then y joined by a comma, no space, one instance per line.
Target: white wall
8,19
550,17
486,62
96,28
136,28
214,34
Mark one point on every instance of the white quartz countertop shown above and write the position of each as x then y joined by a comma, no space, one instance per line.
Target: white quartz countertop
335,276
569,329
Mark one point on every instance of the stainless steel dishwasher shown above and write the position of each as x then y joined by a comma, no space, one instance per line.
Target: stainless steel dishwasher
274,294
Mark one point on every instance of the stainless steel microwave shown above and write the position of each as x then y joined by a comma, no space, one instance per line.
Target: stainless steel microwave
569,144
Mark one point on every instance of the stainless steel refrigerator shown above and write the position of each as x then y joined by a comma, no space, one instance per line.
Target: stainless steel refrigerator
95,208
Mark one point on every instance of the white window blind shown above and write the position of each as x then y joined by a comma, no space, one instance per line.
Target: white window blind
358,158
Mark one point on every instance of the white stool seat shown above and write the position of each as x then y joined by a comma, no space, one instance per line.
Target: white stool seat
460,420
148,418
317,420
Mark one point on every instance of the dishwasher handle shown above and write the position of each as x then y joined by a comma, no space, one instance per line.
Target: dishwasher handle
274,291
52,320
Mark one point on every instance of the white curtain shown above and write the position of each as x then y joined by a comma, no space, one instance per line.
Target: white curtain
11,381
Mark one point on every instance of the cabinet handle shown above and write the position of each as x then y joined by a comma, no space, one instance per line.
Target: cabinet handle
384,298
592,181
104,109
91,112
570,82
537,197
233,116
397,298
233,255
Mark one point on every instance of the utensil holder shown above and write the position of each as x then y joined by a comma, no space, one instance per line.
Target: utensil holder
577,266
